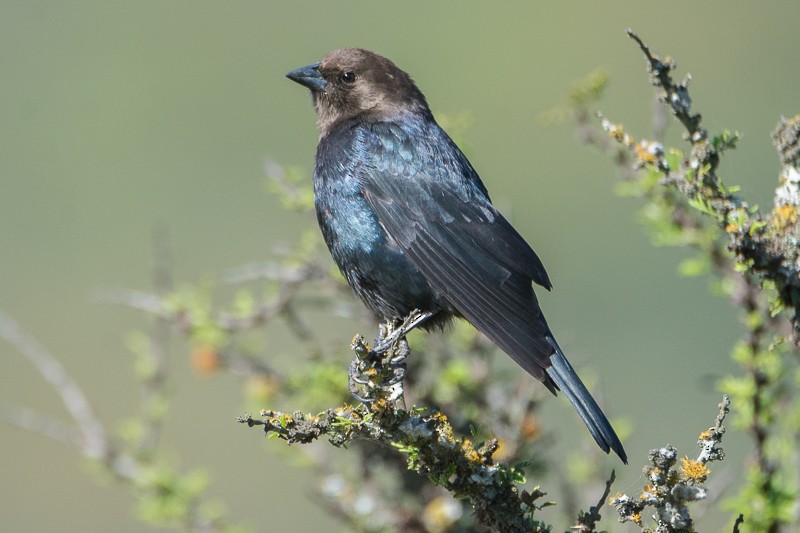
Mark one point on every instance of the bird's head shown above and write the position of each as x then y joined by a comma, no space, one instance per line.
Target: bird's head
351,82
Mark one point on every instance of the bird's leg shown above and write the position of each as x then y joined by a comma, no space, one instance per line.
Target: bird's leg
379,373
394,386
384,329
362,371
393,334
391,350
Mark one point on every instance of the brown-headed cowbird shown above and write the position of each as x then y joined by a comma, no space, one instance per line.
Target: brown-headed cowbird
411,226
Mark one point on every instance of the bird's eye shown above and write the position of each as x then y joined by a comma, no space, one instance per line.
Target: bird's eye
348,76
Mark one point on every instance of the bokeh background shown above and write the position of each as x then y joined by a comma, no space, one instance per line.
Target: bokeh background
121,117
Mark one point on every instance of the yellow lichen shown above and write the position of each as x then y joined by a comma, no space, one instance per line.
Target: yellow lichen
469,451
694,470
784,215
443,426
644,155
617,132
380,405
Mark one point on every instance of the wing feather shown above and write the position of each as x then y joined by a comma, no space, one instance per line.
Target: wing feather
467,266
431,202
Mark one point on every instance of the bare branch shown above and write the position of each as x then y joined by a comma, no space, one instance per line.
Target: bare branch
94,443
588,521
36,422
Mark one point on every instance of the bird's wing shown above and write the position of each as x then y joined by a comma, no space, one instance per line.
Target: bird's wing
433,204
466,250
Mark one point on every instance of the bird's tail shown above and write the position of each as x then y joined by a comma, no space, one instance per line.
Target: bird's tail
565,378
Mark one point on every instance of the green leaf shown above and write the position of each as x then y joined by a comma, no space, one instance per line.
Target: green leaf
693,267
701,205
725,141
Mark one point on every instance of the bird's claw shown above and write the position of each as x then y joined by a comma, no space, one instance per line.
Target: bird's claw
388,336
379,372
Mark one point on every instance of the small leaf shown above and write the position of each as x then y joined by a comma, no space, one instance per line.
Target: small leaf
693,267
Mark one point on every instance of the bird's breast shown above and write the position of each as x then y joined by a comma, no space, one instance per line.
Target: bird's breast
371,261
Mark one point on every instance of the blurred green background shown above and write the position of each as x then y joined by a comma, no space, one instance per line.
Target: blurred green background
119,117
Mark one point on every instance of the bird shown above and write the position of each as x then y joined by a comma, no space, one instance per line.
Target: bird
411,226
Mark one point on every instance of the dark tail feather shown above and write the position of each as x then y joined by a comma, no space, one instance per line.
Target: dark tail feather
564,376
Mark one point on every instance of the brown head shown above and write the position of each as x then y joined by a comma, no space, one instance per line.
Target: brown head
352,82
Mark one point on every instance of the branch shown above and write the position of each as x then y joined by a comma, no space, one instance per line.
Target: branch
36,422
93,441
757,256
165,496
672,488
588,521
430,446
759,242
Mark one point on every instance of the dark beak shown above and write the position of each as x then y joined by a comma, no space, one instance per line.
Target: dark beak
309,77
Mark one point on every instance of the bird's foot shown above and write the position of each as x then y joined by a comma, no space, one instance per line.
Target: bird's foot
377,375
388,334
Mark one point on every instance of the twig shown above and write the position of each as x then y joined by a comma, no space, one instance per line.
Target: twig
94,443
36,422
672,487
767,253
152,383
588,521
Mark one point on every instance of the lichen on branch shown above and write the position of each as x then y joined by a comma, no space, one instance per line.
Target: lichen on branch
431,446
